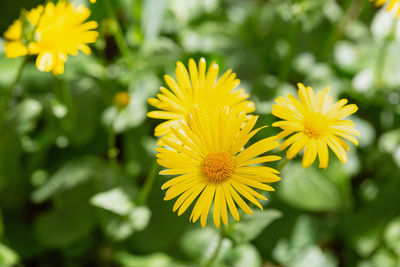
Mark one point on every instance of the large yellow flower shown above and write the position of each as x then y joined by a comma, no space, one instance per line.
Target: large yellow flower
197,88
54,32
392,5
316,123
213,166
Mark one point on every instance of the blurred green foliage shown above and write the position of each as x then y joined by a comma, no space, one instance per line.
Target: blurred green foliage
67,200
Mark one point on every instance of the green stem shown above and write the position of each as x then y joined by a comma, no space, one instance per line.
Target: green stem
144,193
283,164
382,55
287,61
380,64
353,10
214,256
6,102
67,97
112,151
118,34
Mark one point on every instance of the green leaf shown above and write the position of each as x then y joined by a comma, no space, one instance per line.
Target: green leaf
308,189
200,244
7,256
250,226
140,217
61,227
26,114
114,200
301,250
8,71
116,227
121,227
152,18
68,176
157,259
384,257
119,216
243,255
313,257
392,236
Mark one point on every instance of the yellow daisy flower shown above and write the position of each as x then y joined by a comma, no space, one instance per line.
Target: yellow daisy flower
213,166
316,123
392,5
53,33
18,35
61,32
197,87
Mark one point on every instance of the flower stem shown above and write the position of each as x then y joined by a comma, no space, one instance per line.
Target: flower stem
6,102
144,193
118,34
214,256
382,55
112,150
353,11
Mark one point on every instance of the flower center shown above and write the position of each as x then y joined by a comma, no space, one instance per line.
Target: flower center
217,166
315,125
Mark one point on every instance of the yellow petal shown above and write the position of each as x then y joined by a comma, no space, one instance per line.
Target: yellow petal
229,201
256,149
242,190
297,146
310,153
258,160
224,213
46,61
239,200
252,183
195,192
337,149
323,154
15,49
179,179
217,207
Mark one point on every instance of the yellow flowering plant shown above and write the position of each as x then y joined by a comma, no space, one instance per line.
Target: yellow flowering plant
52,33
86,179
207,129
196,87
314,122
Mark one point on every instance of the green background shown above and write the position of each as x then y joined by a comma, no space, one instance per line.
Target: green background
63,203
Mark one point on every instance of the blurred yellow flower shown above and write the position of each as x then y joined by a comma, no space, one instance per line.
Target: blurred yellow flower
92,1
54,32
121,100
197,88
61,32
317,123
213,166
392,5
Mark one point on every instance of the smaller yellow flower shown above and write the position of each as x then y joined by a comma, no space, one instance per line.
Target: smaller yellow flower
52,32
392,5
121,100
316,124
61,32
196,86
92,1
